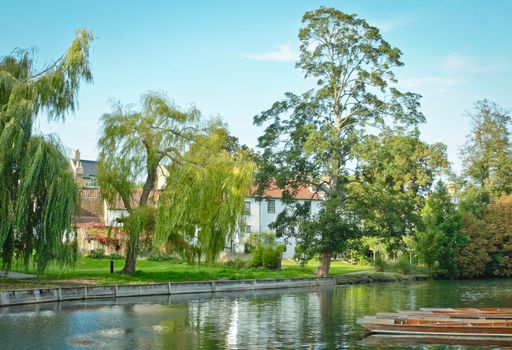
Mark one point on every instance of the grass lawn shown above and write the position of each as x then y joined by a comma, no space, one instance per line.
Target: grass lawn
96,271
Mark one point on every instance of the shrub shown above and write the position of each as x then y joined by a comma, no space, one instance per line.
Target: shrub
380,264
267,256
362,260
302,256
159,256
116,256
257,256
404,266
272,258
97,253
238,263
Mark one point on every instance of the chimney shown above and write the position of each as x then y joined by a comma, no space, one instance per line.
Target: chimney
79,170
76,155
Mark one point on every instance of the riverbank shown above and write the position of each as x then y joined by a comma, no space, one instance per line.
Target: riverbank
92,272
363,277
67,293
43,295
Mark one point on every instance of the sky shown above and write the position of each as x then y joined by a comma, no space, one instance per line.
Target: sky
233,59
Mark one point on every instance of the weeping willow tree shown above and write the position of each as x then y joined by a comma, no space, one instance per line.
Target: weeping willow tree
133,145
38,195
203,201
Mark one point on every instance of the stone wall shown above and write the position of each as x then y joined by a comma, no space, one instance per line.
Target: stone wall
41,295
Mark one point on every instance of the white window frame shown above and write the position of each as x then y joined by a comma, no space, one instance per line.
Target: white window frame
273,202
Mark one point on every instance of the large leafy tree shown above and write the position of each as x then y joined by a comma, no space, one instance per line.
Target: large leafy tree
393,175
203,201
487,154
498,220
488,251
441,233
473,257
309,139
133,145
38,195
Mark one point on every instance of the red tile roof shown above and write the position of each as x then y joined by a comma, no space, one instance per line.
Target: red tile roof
273,191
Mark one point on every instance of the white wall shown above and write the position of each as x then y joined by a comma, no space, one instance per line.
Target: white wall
260,219
113,214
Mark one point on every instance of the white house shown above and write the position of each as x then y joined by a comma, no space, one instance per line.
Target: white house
261,211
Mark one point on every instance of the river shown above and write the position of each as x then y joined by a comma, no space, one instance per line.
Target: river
286,319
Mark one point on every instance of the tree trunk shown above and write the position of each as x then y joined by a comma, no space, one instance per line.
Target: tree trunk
325,265
131,259
132,246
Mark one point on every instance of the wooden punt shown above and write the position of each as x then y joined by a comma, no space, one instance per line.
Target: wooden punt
452,315
463,310
393,340
469,323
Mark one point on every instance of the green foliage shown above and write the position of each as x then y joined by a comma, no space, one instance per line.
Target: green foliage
311,139
267,256
115,256
404,266
139,224
135,142
38,195
257,255
272,257
380,264
474,201
302,255
133,145
396,172
98,253
377,245
498,220
441,233
473,257
487,155
239,263
160,256
203,201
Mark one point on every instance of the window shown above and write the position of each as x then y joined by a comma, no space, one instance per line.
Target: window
247,208
248,228
271,206
91,182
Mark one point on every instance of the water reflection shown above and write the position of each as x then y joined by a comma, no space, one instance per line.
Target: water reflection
311,318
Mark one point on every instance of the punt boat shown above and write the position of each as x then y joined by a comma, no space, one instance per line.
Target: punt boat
394,340
455,322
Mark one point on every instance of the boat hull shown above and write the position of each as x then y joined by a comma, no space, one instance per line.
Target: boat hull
392,340
433,330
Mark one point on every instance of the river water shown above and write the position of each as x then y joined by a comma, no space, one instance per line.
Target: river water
286,319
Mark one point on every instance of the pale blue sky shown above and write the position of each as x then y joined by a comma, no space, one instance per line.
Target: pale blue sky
235,58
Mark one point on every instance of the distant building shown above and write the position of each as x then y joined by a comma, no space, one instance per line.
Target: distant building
93,229
85,171
262,210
